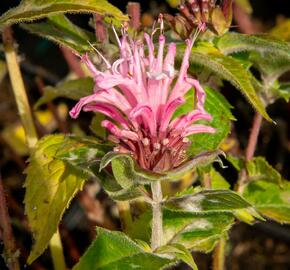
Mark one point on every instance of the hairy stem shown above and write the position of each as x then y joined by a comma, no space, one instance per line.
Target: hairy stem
250,150
157,222
10,253
219,256
26,119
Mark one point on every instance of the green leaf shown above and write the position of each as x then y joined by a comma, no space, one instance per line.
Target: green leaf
195,231
235,42
173,3
259,169
237,162
50,186
220,109
61,30
73,89
180,252
230,69
245,5
284,91
208,200
282,30
217,180
127,171
29,10
270,199
115,251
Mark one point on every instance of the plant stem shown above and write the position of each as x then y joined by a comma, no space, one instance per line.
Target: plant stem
219,255
100,29
19,89
56,250
157,221
26,119
250,150
125,214
134,12
10,252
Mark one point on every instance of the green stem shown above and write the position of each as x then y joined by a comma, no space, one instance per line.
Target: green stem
125,214
56,250
28,124
219,255
157,222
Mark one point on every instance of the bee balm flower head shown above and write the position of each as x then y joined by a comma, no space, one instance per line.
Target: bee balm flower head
139,94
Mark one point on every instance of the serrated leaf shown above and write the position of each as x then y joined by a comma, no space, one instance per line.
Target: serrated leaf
73,89
195,231
61,30
128,170
229,69
116,251
235,42
29,10
50,186
180,252
219,108
270,199
259,169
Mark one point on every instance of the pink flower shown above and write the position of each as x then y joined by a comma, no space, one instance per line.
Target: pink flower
139,93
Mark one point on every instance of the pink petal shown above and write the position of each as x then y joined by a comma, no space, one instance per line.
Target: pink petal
121,134
197,129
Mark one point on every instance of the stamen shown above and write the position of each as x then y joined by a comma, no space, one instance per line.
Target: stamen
185,140
157,146
165,141
145,141
117,37
99,53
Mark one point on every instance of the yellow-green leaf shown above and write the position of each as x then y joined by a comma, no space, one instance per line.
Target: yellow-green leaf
29,10
50,186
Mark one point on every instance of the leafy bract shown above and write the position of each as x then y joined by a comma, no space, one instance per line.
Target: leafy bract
270,199
127,171
116,251
227,68
29,10
219,108
51,184
73,89
61,30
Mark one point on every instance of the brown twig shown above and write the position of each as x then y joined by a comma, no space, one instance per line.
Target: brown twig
101,31
250,150
134,12
10,251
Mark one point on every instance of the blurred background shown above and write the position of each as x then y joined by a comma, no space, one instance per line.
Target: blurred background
265,246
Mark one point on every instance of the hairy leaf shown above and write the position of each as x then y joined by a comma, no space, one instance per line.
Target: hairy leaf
235,42
50,186
195,231
29,10
116,251
73,89
179,252
259,169
230,69
61,30
217,180
270,199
